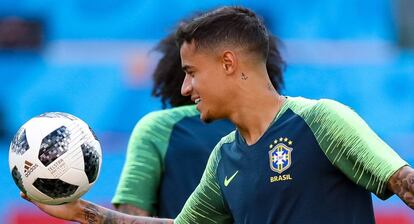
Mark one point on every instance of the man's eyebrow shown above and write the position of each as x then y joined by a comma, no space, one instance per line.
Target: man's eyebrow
186,67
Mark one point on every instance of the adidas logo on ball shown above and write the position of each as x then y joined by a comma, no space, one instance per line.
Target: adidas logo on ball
29,168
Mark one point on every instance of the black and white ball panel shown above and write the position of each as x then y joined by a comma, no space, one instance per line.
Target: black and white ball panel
91,159
19,143
54,188
54,145
17,177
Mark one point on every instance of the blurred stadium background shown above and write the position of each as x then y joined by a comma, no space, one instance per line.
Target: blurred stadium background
92,59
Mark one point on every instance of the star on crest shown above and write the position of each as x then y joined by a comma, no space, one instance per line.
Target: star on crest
284,140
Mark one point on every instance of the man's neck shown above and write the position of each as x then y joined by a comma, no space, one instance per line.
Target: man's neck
254,116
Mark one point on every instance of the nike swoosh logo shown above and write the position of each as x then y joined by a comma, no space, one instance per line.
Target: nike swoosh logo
227,181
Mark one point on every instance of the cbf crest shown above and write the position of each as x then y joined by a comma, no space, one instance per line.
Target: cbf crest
280,155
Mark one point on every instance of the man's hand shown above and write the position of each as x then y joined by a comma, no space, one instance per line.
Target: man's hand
402,184
70,211
65,211
85,212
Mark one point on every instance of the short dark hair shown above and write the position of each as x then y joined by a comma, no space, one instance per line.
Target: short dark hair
169,76
227,25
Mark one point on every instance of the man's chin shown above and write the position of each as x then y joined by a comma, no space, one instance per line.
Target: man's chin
205,118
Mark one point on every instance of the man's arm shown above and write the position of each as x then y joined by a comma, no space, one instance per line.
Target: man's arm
88,213
131,210
94,214
402,184
142,172
352,146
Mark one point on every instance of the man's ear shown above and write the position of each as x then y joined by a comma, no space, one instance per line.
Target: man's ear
229,62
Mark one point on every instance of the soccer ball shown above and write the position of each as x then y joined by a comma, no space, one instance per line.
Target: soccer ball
55,158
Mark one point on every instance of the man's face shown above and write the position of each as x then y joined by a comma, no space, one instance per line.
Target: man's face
204,81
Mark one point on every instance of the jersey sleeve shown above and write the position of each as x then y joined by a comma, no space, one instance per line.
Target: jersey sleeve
141,174
206,205
351,145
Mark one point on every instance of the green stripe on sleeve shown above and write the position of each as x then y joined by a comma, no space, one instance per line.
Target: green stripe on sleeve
350,144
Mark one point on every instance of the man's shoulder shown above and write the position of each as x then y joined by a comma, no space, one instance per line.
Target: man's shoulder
324,113
306,107
169,116
228,139
215,155
188,110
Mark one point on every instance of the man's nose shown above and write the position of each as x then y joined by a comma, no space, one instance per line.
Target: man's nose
186,86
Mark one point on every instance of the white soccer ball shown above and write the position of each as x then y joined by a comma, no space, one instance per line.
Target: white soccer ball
55,158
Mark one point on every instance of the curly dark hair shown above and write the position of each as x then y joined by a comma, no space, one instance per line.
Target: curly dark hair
169,76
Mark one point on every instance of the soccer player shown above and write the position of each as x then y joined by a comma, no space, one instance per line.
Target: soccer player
168,149
291,159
